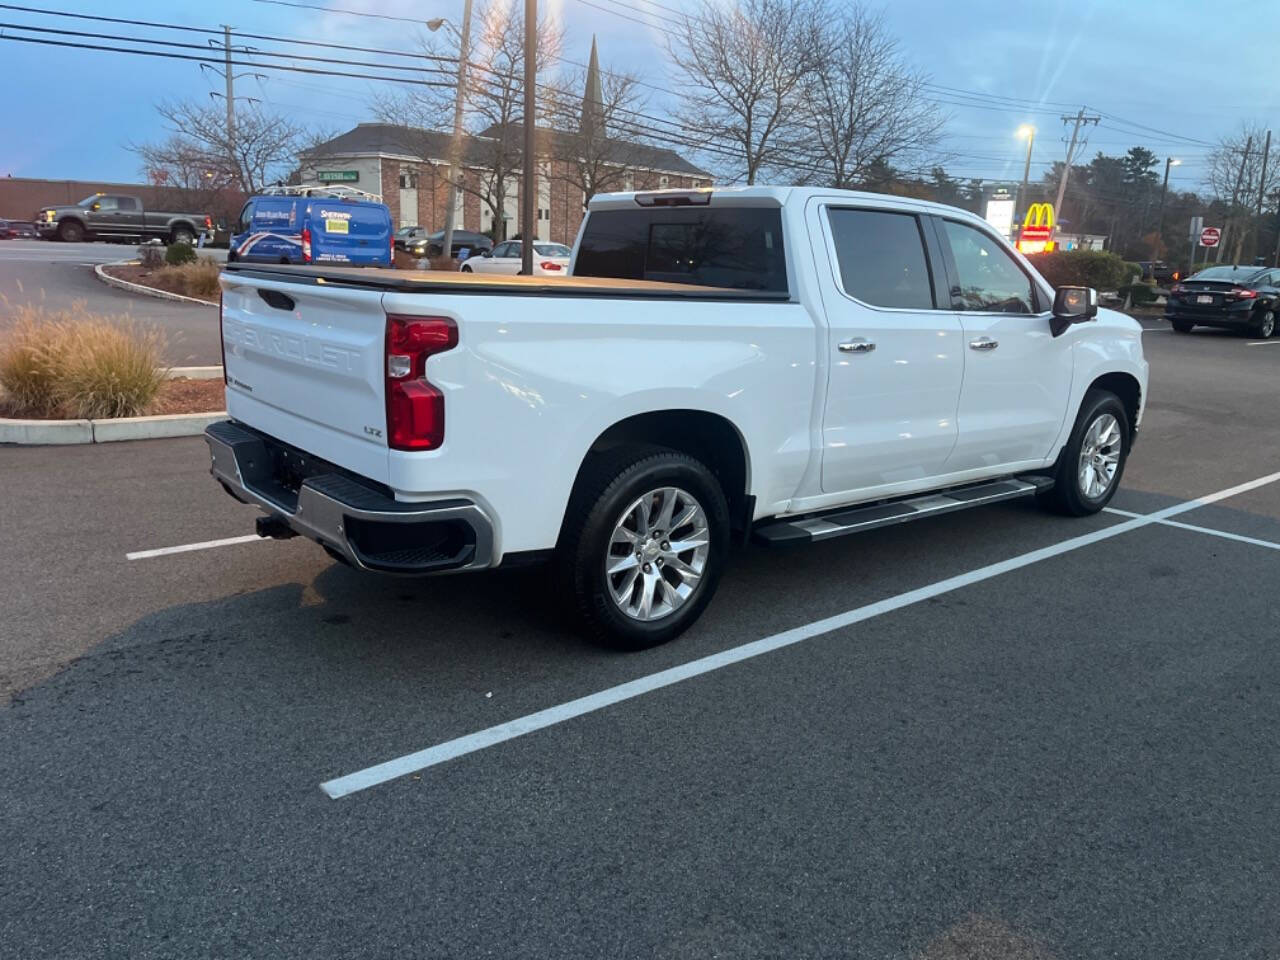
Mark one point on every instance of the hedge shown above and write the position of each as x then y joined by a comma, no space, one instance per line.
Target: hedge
1099,269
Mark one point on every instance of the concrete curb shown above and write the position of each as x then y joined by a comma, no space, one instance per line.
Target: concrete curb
50,432
196,373
146,291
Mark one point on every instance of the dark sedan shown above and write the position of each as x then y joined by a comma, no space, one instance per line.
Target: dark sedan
432,244
18,230
1229,296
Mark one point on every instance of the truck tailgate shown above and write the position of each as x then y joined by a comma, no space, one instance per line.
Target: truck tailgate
305,364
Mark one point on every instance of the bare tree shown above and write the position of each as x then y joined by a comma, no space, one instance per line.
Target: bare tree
262,147
494,104
1237,179
864,104
744,70
598,134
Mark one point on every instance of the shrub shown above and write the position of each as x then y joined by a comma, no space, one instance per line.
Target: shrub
1138,294
78,364
31,359
179,253
151,256
1099,269
196,279
112,370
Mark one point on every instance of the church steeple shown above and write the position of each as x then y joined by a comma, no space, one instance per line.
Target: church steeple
592,124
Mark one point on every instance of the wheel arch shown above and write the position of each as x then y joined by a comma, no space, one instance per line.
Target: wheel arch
1126,387
709,437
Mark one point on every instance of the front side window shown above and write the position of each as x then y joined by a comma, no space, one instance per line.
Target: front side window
988,281
882,258
107,203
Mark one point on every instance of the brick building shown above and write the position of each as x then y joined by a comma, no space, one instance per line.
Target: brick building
408,167
21,197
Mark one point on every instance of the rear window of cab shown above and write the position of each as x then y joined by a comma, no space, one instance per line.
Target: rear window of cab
735,247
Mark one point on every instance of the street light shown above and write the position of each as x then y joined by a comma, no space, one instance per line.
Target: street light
1027,132
455,145
1168,162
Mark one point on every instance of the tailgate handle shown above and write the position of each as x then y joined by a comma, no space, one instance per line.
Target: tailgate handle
274,298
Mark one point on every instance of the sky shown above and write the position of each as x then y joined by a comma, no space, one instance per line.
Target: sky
1171,75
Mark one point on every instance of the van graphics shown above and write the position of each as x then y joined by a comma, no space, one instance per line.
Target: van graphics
252,240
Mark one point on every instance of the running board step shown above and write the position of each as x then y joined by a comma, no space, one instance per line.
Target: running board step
847,520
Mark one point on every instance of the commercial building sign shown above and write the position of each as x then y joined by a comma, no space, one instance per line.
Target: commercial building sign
1036,235
338,176
999,211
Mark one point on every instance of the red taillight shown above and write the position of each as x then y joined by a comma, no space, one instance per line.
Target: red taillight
550,265
391,242
306,244
415,407
208,222
222,340
1240,293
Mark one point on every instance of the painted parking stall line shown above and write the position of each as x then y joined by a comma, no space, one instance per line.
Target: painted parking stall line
491,736
189,547
1225,534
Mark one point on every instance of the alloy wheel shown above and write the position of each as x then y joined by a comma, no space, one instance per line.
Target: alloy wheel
1099,457
657,553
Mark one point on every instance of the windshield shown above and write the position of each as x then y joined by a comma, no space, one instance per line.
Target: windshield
1225,272
551,249
92,198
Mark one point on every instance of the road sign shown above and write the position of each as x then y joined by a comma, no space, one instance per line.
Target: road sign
1197,224
1210,236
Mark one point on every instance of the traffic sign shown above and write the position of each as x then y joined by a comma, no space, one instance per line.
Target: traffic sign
1210,236
1197,224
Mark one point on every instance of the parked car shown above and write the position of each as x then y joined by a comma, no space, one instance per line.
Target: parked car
406,234
466,244
17,230
114,216
549,259
817,362
313,228
1159,272
1226,295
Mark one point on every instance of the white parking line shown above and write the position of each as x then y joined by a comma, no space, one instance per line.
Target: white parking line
188,547
491,736
1239,538
1263,343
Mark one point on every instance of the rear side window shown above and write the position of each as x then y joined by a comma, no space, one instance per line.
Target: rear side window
128,203
882,259
735,247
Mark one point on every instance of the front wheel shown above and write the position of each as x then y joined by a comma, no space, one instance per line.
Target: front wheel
644,543
1265,325
69,231
1181,326
466,269
1093,460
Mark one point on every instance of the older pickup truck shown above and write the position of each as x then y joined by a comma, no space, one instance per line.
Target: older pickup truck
103,216
783,364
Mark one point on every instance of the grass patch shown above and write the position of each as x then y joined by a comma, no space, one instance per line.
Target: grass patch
72,363
196,279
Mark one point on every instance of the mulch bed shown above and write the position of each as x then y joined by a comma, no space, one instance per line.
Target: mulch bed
137,273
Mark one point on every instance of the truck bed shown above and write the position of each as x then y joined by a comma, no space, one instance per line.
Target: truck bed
448,281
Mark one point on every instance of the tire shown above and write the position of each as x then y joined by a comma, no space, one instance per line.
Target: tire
70,231
1265,324
1181,326
231,256
617,504
466,269
183,235
1073,494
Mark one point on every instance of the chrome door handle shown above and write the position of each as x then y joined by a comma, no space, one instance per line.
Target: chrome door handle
983,343
856,345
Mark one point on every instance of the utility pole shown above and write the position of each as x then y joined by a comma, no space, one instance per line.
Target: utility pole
530,166
455,146
1080,120
1168,162
231,99
1262,186
1235,195
1028,131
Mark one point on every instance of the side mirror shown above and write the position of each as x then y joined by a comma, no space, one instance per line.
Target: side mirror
96,206
1072,305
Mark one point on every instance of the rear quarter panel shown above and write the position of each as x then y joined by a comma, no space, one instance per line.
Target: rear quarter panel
535,380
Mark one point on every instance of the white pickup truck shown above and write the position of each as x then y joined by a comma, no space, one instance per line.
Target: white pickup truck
783,364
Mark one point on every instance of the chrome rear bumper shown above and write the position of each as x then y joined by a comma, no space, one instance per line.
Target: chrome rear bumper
364,525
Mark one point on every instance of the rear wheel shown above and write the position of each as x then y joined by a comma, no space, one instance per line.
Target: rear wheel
466,269
1264,325
1093,460
1181,326
644,543
70,231
183,235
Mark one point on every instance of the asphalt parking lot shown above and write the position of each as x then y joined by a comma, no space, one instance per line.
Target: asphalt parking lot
59,274
996,734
